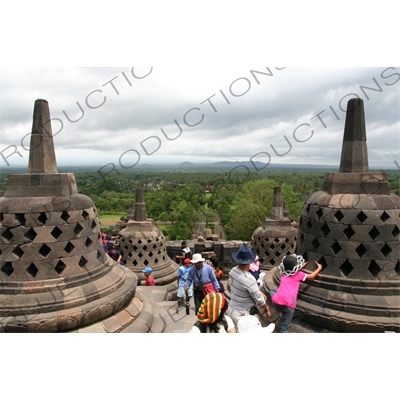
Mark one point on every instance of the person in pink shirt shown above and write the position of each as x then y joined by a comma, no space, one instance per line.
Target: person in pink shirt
285,298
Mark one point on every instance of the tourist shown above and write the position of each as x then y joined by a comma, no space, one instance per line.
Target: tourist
211,316
203,278
285,298
219,275
185,252
243,287
105,240
182,294
149,278
116,256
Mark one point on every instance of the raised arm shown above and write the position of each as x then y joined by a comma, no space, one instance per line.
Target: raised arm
315,273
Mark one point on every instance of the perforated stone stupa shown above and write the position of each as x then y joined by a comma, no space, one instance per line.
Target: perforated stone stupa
277,237
142,245
54,274
352,228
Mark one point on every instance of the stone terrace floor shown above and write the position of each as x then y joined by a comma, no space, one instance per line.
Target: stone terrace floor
166,320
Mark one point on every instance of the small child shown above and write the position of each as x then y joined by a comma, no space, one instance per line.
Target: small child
149,279
285,298
219,275
255,269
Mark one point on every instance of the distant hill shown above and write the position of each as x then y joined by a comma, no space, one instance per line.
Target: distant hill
257,165
217,166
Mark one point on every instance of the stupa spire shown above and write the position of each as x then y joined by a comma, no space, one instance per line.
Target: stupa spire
354,149
277,204
42,158
140,206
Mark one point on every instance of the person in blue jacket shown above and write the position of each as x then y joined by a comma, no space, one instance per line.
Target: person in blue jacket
201,275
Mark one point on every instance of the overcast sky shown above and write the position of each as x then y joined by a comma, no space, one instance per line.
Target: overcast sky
130,116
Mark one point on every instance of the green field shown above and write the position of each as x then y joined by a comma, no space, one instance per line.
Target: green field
107,220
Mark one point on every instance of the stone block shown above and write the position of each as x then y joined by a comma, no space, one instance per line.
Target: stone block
48,179
69,319
91,291
124,318
208,245
46,269
199,247
95,328
389,202
343,201
9,221
321,198
111,324
45,326
18,235
92,314
42,204
18,180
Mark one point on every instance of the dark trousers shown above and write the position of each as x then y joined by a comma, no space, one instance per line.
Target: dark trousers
198,296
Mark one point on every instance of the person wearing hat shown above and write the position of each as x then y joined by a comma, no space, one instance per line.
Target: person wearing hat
211,316
149,279
200,275
251,324
285,298
244,289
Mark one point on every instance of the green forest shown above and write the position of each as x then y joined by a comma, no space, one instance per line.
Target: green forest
241,198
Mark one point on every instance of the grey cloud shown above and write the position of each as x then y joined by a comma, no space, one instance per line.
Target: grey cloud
270,110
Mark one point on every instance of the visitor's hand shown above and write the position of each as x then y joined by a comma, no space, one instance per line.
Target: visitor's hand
304,264
265,297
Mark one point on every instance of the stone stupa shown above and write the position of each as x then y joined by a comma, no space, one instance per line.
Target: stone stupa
142,245
277,237
55,276
351,227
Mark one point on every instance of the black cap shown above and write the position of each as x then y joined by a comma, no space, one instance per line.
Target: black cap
289,263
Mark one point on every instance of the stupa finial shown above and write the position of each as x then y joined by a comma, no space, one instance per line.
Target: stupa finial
277,204
42,158
354,150
140,206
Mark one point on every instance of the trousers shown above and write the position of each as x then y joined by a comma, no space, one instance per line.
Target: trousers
198,296
287,315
